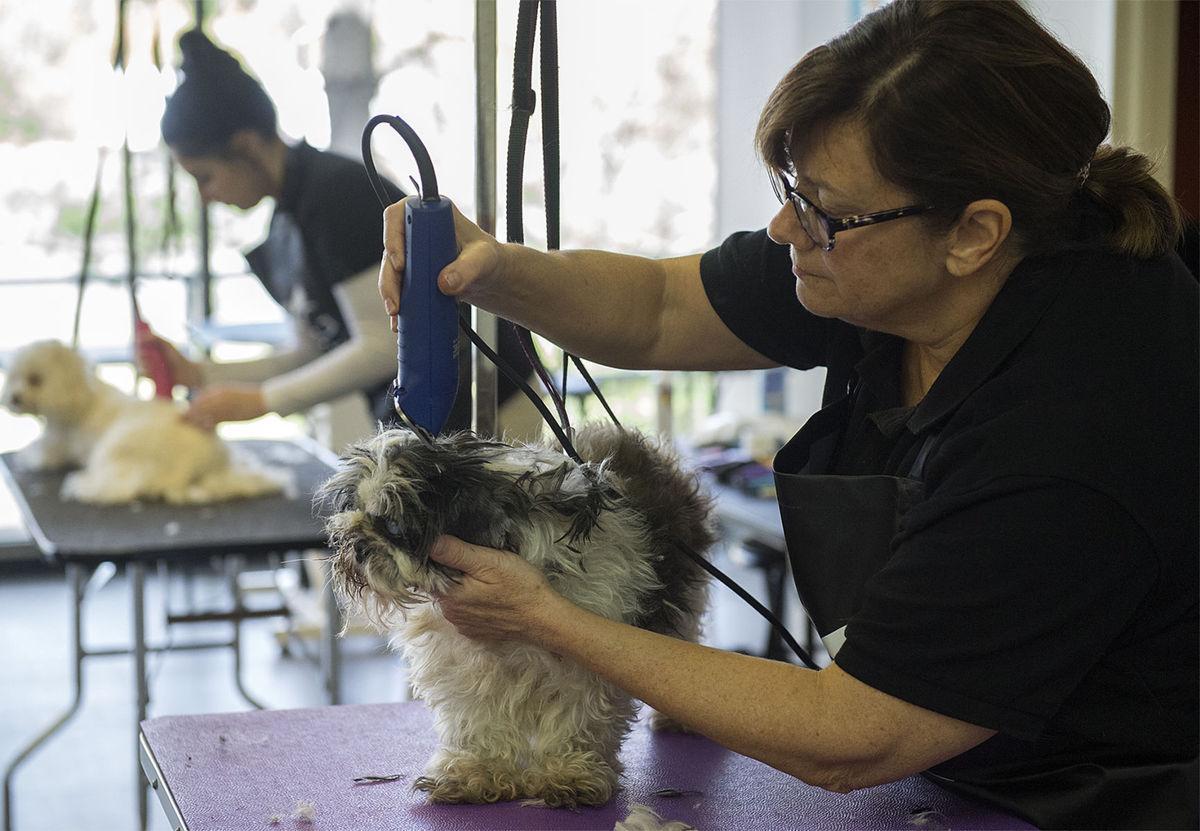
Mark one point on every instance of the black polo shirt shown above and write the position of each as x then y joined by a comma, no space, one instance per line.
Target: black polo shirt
1046,585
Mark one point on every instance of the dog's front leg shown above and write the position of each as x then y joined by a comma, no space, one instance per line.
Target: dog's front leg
49,452
475,696
579,723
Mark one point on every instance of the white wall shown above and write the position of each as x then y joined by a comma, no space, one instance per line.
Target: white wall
757,43
1088,28
1145,67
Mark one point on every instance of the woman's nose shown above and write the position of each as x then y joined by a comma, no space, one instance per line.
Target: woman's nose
784,228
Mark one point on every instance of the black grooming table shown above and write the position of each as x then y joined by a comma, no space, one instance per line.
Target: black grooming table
82,537
66,531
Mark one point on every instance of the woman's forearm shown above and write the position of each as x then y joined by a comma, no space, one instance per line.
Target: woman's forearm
616,309
365,359
258,370
768,710
604,307
826,728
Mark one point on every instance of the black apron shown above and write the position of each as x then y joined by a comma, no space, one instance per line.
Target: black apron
839,531
281,264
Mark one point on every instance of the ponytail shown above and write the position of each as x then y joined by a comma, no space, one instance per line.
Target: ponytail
1147,221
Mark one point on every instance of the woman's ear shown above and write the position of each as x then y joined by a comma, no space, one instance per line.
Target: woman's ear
249,145
978,236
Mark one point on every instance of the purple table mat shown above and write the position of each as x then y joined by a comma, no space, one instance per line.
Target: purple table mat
235,771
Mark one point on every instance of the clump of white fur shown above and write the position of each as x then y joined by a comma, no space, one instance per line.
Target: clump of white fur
643,818
127,449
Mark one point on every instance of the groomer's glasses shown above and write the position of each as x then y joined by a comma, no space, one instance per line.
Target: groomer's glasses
820,226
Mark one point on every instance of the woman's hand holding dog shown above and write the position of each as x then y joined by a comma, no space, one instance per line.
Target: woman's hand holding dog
500,597
226,402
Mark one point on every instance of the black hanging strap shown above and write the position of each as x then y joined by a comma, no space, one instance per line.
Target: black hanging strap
524,101
550,165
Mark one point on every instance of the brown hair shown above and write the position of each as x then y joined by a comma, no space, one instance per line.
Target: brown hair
967,100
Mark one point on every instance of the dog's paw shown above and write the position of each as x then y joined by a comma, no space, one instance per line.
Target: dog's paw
468,779
77,487
570,780
85,486
38,456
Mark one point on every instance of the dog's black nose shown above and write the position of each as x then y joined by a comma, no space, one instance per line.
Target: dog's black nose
16,400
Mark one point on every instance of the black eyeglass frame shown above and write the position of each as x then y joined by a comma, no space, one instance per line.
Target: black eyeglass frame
786,192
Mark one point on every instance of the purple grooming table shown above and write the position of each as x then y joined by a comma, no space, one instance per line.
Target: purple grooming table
234,771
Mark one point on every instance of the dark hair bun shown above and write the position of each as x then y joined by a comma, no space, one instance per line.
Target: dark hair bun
216,99
202,57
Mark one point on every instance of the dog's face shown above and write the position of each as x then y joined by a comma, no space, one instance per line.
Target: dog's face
47,379
394,494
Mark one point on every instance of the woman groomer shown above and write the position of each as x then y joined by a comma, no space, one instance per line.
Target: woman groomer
320,260
993,521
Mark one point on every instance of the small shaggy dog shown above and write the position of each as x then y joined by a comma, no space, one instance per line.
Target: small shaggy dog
514,720
127,449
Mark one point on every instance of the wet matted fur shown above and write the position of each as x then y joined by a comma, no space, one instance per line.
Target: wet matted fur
514,720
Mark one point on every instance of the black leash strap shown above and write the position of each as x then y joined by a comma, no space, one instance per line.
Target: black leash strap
550,165
524,102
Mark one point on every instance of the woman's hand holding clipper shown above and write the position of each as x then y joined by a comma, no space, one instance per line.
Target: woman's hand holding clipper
468,276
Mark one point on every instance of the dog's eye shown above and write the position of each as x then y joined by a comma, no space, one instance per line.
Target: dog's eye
393,527
34,380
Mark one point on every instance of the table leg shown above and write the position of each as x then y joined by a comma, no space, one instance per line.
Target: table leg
137,587
331,657
76,583
776,574
233,567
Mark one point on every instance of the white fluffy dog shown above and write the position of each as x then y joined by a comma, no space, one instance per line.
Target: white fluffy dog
127,449
514,720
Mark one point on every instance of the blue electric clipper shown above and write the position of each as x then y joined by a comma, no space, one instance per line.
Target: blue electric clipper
427,377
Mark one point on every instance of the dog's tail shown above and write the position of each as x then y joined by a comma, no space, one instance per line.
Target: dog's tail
677,511
654,479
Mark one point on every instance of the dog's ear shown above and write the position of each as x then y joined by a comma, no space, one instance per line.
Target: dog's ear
467,495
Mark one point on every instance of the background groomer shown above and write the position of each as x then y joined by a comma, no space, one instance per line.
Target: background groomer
320,259
994,518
